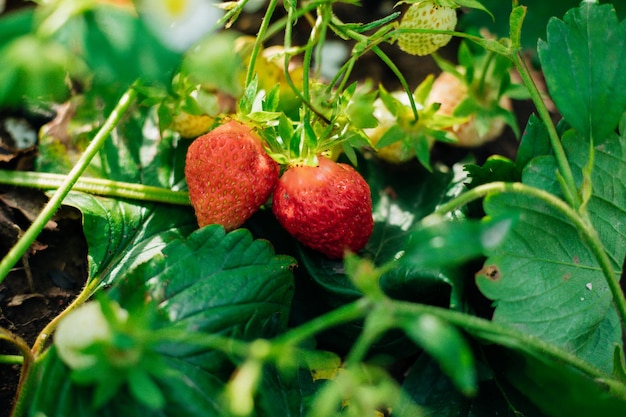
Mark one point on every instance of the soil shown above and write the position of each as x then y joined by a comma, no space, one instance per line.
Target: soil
55,269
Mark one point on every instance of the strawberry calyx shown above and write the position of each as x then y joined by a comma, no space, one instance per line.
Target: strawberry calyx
335,127
479,89
400,137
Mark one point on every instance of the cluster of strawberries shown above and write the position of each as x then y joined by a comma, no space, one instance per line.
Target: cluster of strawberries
230,175
326,206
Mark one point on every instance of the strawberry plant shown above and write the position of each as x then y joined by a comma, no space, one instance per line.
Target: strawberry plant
265,239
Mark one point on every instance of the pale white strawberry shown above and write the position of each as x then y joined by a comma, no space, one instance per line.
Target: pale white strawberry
426,15
450,91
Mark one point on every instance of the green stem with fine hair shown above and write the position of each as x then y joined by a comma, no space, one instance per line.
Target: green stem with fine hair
566,178
27,361
98,186
490,332
258,44
344,314
15,253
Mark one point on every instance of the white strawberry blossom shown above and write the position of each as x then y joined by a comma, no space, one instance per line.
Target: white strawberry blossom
180,23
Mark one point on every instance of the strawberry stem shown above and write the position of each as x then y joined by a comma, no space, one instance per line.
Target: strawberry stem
401,78
482,79
27,360
258,43
566,177
29,236
98,186
379,52
486,329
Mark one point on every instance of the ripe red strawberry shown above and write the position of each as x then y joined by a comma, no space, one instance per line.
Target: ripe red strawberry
326,207
426,15
229,175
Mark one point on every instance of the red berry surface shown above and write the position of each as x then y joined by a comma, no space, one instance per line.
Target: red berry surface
229,175
326,207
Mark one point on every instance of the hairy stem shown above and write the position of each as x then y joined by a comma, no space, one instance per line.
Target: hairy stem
568,183
344,314
503,335
27,362
29,236
44,335
98,186
258,44
379,52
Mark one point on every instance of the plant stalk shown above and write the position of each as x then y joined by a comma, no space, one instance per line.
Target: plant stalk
44,335
258,44
480,328
98,186
29,236
568,183
27,362
11,360
344,314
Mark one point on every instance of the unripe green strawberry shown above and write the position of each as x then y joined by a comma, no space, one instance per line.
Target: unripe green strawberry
326,207
229,175
426,15
396,152
192,125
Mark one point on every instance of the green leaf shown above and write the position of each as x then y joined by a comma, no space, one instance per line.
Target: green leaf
544,280
214,63
535,23
437,242
191,392
222,283
122,234
118,47
495,168
427,386
359,107
212,283
516,20
286,394
535,142
15,24
584,63
35,69
473,4
446,344
145,390
136,152
556,389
